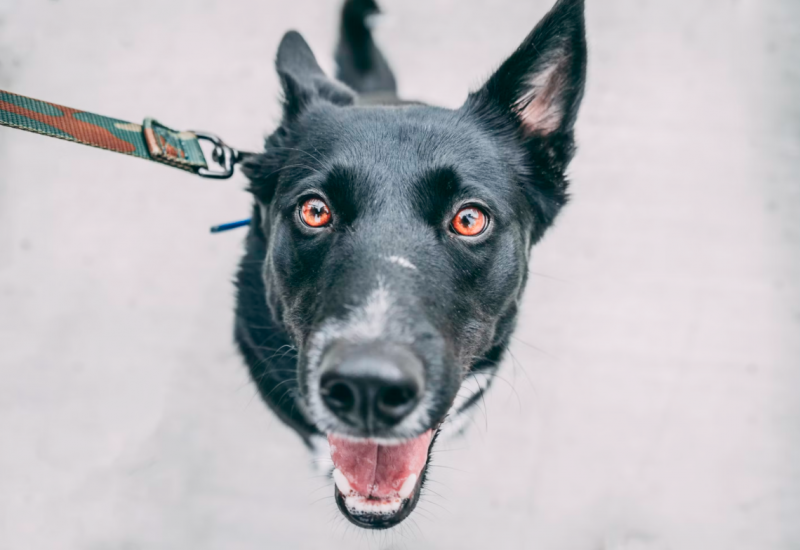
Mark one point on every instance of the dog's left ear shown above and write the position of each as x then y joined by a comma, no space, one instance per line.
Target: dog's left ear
541,85
303,80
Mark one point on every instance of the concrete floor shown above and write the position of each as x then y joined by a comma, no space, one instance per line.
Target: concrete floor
654,397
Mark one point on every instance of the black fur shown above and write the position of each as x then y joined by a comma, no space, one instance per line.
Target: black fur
359,61
394,176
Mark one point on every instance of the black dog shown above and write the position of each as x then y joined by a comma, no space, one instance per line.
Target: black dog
389,247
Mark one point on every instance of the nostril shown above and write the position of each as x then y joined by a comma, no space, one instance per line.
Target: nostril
396,397
394,402
339,396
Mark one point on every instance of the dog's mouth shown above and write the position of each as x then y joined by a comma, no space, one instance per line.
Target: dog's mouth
377,486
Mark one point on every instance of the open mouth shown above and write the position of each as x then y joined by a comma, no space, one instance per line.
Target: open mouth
377,486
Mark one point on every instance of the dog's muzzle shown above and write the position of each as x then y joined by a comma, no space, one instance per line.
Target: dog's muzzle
373,389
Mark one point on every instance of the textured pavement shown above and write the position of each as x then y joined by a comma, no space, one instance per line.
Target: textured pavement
653,399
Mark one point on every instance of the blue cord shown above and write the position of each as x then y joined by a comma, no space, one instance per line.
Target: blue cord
227,226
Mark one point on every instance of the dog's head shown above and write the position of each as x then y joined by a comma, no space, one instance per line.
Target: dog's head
389,250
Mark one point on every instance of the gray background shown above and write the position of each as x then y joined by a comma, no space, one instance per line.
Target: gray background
653,401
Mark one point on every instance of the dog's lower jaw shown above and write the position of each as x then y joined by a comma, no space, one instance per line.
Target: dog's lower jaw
375,514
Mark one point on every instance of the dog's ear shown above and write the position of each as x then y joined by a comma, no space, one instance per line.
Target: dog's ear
302,79
533,98
303,83
541,84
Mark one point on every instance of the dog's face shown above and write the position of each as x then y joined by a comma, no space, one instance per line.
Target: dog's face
390,250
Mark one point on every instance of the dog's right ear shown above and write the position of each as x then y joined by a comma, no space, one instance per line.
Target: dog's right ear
303,80
534,98
541,85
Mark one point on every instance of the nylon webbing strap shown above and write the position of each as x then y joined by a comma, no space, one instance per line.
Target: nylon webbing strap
151,140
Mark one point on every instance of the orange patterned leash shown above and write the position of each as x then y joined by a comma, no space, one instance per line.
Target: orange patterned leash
149,140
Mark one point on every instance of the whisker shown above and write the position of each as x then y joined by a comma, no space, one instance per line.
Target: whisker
429,501
326,486
513,389
300,151
278,385
524,371
447,468
429,490
292,166
543,276
326,497
540,350
485,415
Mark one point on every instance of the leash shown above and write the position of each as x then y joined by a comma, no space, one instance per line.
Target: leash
150,140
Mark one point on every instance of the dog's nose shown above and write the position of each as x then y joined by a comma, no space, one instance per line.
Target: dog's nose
371,387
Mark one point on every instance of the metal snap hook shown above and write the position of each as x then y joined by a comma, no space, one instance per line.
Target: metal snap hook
225,156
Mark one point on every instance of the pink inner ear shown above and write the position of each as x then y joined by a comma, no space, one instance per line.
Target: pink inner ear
540,109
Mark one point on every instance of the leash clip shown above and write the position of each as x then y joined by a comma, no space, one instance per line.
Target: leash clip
225,156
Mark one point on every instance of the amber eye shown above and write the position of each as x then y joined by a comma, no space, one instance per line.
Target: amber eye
470,221
315,213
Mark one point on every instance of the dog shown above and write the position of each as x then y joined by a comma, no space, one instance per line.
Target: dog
389,245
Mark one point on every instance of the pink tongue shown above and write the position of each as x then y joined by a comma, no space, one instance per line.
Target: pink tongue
379,470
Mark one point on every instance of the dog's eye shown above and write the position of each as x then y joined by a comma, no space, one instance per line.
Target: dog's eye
470,221
315,213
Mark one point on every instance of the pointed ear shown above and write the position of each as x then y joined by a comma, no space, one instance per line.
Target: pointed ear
542,83
303,80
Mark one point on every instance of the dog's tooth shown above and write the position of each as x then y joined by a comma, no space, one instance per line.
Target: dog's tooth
341,482
408,486
357,504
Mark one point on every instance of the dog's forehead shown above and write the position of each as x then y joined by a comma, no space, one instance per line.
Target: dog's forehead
403,139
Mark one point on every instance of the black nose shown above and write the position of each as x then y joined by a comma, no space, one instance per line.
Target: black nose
371,387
